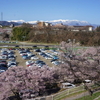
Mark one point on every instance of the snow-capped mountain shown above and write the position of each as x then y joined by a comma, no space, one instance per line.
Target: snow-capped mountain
64,22
54,22
17,21
70,22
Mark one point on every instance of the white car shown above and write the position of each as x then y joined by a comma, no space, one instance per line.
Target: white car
68,85
3,57
48,57
10,62
2,71
12,55
32,65
12,65
29,54
34,58
11,58
22,54
29,62
56,63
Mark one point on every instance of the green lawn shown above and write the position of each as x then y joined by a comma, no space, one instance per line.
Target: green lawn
70,95
95,95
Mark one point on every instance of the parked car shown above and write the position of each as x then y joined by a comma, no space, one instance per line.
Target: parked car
29,62
43,50
12,65
32,55
3,57
11,55
3,67
53,60
34,58
25,57
11,58
38,61
55,57
41,64
37,50
48,57
12,61
34,46
1,71
22,53
67,85
3,62
30,65
56,63
16,45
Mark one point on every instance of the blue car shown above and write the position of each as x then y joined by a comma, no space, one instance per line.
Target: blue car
25,57
55,57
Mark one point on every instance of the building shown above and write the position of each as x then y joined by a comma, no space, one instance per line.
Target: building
43,24
59,26
80,28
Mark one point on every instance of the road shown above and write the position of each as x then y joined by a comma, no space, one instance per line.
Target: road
25,44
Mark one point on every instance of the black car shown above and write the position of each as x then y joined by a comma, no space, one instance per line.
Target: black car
3,67
3,62
38,61
53,60
37,50
34,46
16,45
46,47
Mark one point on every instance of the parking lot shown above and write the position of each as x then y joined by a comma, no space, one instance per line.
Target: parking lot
28,57
21,61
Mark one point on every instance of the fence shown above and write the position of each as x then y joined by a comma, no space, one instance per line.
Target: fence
67,92
62,94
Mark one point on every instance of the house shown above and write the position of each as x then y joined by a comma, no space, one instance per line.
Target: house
81,28
59,26
43,24
0,25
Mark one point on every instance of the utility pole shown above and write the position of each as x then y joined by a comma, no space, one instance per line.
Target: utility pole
1,16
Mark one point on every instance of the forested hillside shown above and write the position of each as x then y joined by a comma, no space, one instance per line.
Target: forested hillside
51,35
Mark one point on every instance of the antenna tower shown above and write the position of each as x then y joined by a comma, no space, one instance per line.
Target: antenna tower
1,16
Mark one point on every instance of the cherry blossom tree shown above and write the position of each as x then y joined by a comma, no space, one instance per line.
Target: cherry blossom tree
25,82
83,65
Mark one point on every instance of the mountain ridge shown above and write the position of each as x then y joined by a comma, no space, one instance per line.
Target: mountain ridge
53,22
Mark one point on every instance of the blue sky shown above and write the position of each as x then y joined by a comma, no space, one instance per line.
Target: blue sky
46,10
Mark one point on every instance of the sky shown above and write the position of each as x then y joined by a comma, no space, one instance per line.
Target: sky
47,10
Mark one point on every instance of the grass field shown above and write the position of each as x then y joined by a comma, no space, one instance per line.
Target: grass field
95,95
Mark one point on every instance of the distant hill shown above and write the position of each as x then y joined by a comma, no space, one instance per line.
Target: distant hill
53,22
6,23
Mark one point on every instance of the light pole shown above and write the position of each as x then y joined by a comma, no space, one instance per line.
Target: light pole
71,43
23,38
